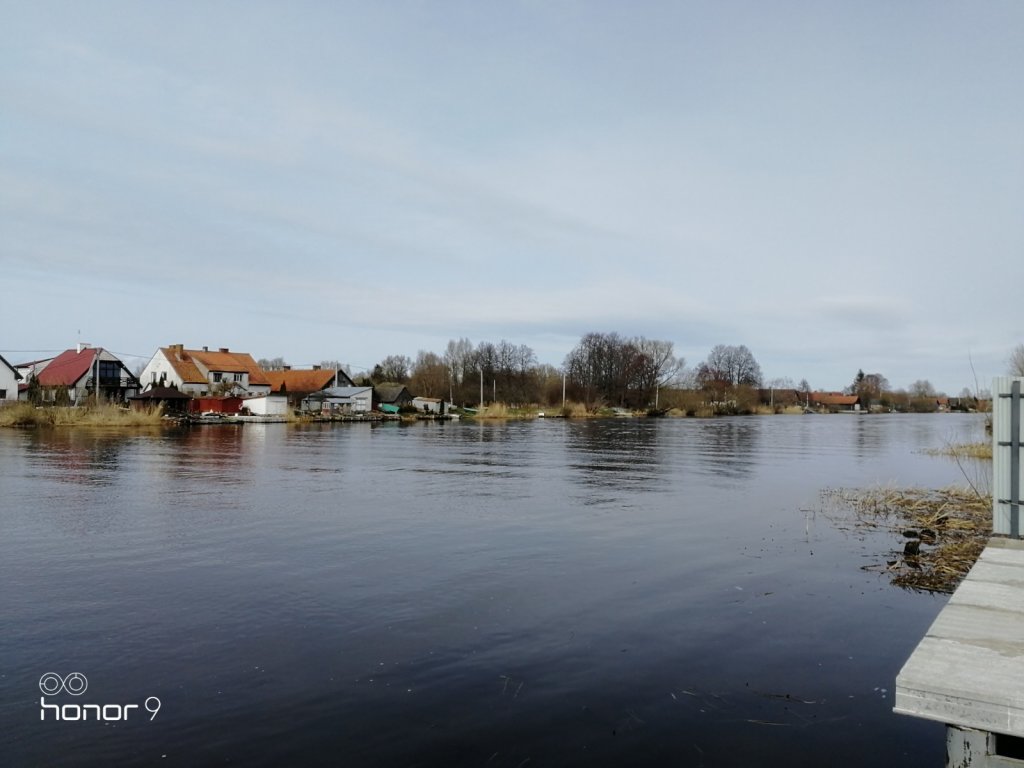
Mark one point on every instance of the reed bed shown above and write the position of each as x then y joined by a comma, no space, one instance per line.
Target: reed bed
964,450
104,415
941,532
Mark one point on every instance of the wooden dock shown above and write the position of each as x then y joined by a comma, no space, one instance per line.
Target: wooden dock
968,671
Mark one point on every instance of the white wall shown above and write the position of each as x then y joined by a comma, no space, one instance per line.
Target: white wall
159,367
8,383
267,405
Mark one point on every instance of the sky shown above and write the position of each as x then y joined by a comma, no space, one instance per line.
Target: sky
839,186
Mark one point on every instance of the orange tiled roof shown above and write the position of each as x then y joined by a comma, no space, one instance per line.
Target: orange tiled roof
184,363
302,381
833,398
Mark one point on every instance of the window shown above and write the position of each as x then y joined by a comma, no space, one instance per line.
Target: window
217,376
238,378
3,394
110,372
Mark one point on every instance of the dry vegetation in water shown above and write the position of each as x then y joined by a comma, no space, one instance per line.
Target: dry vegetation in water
106,415
964,450
942,532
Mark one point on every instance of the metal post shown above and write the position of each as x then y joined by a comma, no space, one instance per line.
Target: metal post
1015,460
96,377
1013,443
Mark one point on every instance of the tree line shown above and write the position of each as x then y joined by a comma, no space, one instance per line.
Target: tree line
608,369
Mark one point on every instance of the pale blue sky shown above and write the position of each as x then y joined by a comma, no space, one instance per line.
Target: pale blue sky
835,185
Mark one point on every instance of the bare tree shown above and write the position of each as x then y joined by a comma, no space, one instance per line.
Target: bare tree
1016,361
731,365
393,368
429,375
273,364
922,388
607,367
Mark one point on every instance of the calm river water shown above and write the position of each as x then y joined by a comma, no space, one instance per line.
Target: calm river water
550,593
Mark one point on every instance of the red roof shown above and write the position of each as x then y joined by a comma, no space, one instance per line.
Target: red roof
834,398
304,382
67,368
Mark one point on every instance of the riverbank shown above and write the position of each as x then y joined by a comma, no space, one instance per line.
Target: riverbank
103,415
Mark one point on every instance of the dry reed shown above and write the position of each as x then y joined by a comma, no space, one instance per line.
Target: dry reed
942,532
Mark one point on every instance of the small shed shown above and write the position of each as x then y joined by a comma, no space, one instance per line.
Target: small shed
391,394
174,401
340,400
430,405
266,405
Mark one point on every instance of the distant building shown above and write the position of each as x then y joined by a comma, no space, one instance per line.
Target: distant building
395,395
298,384
834,401
339,401
78,372
200,372
429,405
9,378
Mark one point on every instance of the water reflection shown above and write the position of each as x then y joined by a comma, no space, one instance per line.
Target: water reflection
461,586
869,435
729,447
620,455
79,456
207,454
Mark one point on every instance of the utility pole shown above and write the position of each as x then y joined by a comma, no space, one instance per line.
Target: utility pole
96,375
481,389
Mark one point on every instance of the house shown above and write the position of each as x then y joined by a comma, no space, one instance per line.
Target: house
299,384
834,401
340,400
781,397
9,378
200,372
75,371
430,405
394,395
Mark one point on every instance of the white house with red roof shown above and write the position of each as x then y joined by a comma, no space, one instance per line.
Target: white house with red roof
202,372
78,371
9,378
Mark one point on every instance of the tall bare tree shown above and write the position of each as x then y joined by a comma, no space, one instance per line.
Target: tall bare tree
1016,361
393,368
429,376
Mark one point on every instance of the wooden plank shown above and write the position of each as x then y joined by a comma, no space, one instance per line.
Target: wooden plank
968,671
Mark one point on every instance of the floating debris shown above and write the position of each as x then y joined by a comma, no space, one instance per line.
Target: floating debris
944,531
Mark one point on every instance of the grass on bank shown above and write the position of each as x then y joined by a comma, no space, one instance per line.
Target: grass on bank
103,415
942,532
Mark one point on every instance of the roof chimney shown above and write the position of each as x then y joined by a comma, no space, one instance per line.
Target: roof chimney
206,349
222,349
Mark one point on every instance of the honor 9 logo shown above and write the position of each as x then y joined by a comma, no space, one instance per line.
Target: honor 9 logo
75,684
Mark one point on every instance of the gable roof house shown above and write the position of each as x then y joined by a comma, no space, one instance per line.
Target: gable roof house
77,371
9,378
835,401
390,394
200,372
339,400
300,384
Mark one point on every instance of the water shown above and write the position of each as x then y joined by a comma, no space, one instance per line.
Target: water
591,593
